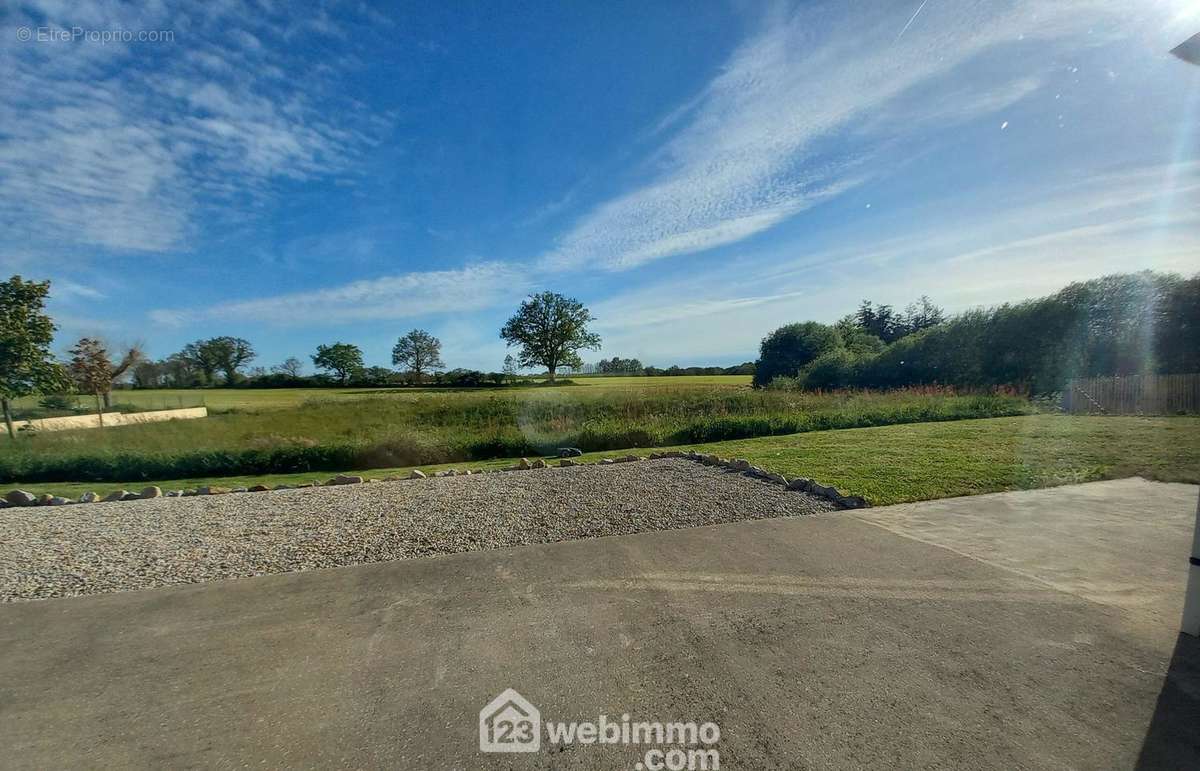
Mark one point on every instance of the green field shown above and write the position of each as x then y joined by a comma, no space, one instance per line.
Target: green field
219,399
660,381
324,430
893,464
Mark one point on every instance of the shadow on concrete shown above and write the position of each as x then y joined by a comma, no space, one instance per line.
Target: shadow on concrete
1173,738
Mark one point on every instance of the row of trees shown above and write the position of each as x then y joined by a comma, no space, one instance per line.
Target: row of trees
1116,325
200,363
635,367
548,331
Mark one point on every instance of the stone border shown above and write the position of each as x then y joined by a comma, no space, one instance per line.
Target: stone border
16,498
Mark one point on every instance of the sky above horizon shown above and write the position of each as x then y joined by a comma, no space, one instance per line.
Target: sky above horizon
697,174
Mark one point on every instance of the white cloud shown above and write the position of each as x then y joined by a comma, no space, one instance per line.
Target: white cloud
406,295
1111,222
747,157
63,288
99,149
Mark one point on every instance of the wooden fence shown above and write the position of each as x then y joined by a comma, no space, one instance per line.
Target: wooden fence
1133,395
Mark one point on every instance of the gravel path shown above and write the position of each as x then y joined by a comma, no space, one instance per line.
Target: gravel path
107,547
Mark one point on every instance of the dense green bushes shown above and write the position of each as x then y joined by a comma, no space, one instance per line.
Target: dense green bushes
399,429
788,349
1116,325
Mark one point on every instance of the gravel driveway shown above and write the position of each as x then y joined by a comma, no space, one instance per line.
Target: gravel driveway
108,547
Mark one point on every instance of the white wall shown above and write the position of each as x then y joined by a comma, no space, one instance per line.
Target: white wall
110,419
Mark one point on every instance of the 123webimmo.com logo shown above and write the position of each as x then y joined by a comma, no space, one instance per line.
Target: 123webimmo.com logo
510,723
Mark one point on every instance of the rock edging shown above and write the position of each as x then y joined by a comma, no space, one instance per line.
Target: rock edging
15,498
801,484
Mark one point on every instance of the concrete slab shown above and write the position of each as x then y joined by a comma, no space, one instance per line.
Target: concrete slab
820,642
1120,542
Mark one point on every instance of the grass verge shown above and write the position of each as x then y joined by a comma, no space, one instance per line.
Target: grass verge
894,464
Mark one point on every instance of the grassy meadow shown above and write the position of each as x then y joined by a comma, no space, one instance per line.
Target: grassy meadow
306,430
896,463
223,399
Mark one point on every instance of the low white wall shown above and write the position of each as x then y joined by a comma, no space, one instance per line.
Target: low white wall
110,419
186,413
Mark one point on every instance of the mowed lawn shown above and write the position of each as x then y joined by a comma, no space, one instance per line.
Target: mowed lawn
894,464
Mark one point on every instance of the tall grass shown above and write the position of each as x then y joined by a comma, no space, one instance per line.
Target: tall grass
396,429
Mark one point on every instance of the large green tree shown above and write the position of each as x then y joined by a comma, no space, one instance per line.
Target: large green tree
201,357
550,330
419,352
343,359
26,332
218,354
232,353
784,352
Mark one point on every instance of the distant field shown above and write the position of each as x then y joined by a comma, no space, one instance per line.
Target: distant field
271,398
226,398
894,464
668,381
331,429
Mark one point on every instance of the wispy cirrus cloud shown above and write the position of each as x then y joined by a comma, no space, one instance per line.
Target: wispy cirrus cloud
134,146
1108,222
751,150
400,296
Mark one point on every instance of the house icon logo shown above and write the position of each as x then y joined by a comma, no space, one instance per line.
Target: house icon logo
509,723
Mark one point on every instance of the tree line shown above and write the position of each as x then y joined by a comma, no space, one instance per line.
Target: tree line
548,330
634,367
1124,324
223,360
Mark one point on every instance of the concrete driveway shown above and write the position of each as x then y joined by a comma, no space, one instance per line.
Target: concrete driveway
1031,629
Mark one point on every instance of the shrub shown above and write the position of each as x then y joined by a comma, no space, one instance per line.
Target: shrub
58,402
831,370
788,349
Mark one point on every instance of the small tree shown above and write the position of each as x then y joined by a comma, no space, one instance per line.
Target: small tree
26,332
418,351
149,374
180,371
922,314
343,359
291,366
91,370
131,358
551,330
510,367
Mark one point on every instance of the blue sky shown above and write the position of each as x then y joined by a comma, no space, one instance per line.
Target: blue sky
697,173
